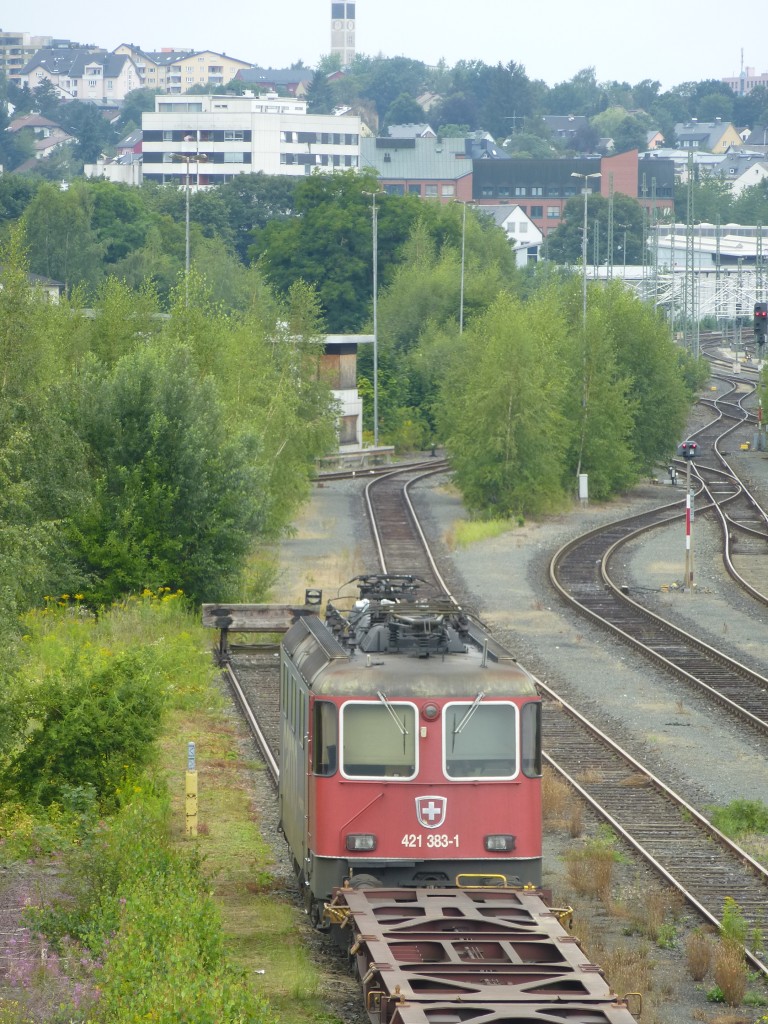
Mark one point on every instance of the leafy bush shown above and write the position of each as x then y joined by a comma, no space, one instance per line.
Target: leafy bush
93,725
141,916
740,818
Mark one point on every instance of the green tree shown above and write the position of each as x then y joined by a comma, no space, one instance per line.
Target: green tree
502,414
91,730
63,243
751,206
16,193
252,200
94,134
631,133
403,110
136,103
177,499
648,358
328,244
564,244
579,95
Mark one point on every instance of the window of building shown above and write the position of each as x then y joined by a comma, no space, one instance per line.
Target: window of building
522,228
430,190
449,190
486,192
537,211
504,191
234,158
394,190
414,190
337,10
167,136
553,212
233,136
537,190
520,190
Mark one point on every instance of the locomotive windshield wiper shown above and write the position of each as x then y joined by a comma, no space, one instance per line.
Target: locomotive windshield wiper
470,711
383,698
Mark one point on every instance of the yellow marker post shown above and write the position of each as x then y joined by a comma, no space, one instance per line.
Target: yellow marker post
191,790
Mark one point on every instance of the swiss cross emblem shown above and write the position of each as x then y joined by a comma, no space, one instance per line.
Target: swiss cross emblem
430,810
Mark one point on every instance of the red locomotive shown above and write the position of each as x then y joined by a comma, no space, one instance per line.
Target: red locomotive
410,748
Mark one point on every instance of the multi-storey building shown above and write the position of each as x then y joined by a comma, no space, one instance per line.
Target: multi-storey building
746,81
176,71
16,50
210,139
82,74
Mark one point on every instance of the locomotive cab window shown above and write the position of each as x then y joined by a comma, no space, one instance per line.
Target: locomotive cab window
325,738
480,740
378,740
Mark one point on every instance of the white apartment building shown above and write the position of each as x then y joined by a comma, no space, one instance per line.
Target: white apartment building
213,138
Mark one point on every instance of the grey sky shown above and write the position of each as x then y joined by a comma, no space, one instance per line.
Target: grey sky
669,41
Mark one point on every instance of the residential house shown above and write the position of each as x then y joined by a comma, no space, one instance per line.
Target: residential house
48,136
708,136
522,234
565,127
743,169
82,74
176,71
290,81
45,287
654,139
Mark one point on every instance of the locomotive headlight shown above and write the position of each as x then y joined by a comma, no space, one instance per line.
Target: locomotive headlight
361,841
430,711
499,844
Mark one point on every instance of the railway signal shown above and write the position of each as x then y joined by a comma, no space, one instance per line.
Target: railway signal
761,322
688,450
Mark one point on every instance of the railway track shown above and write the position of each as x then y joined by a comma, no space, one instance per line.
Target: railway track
671,835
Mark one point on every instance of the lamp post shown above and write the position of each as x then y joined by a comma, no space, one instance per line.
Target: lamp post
461,290
375,243
187,158
585,190
582,477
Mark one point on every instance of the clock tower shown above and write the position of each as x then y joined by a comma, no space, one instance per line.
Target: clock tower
343,31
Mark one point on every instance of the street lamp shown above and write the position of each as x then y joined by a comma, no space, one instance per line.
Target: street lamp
585,190
375,243
582,477
464,203
187,158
